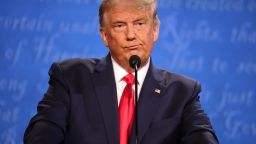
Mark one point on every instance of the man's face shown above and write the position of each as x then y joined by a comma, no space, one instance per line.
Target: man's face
129,30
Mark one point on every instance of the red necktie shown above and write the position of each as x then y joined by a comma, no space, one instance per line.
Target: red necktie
126,109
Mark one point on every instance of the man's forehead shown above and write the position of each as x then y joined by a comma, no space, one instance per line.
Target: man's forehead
126,14
126,8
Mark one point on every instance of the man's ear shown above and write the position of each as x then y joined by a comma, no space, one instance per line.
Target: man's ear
156,26
103,35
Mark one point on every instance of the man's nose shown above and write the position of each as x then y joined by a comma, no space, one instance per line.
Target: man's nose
130,33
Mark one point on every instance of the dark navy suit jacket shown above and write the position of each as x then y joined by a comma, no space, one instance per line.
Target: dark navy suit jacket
80,107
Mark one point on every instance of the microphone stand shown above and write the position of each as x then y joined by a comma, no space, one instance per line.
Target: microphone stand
136,104
135,62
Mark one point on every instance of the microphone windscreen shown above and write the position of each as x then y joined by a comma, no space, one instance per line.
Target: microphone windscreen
134,61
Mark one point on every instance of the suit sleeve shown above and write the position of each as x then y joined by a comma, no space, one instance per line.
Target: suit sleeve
196,126
50,122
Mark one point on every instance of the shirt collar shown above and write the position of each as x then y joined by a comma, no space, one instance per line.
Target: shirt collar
120,72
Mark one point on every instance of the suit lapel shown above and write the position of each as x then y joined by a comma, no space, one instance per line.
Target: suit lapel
104,83
149,99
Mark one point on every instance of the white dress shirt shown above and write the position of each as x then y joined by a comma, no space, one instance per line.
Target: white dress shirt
120,72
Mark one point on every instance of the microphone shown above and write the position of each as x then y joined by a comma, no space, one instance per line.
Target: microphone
135,62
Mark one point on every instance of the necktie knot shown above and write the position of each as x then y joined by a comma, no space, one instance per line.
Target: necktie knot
129,79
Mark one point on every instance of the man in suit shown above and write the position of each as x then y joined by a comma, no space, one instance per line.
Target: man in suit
82,104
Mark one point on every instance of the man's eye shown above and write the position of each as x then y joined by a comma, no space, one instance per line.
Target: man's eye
140,23
118,25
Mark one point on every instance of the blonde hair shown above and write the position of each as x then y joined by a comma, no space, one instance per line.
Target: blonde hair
107,4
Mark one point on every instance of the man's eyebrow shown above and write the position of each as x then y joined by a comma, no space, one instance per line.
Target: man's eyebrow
140,19
118,21
143,17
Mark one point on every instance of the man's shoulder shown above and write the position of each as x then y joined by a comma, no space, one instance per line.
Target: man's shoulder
168,78
78,64
79,61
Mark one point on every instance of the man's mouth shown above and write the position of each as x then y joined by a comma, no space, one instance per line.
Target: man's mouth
133,47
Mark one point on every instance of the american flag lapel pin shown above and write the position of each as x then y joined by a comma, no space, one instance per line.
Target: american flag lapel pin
158,91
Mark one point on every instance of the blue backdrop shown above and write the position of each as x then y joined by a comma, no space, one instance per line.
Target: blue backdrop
213,41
